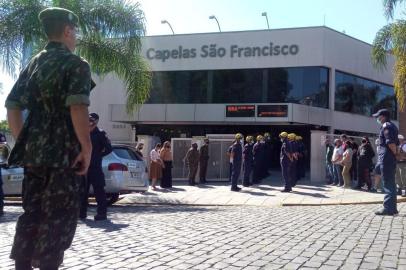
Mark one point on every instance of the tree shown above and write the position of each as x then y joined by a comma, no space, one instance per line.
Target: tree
4,126
392,39
110,39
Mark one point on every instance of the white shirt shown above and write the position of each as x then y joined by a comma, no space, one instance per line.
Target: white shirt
337,154
154,155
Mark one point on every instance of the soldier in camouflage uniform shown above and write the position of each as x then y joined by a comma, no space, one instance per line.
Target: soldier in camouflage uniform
53,144
192,161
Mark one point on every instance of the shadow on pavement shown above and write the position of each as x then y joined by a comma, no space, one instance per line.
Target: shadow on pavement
161,209
266,188
317,195
108,225
320,188
256,193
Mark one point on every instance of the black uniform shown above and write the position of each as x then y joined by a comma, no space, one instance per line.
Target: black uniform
248,163
259,158
100,147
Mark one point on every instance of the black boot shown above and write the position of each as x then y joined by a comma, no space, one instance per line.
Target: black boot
23,265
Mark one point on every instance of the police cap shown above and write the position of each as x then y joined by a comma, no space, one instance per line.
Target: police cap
58,14
383,112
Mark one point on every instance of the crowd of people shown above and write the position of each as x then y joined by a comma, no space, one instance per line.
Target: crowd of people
350,165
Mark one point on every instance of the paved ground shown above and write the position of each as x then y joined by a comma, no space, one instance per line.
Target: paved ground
267,194
232,237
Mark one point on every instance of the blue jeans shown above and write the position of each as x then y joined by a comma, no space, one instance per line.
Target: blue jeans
330,172
338,174
389,186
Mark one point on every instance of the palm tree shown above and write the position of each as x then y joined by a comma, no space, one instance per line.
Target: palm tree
110,39
392,39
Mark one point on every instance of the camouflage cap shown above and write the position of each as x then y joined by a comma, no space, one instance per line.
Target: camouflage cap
61,14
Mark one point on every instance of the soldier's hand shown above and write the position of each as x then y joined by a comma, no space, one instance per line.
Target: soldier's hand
82,162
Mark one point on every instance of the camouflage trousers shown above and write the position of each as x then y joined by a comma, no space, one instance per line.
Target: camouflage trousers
51,200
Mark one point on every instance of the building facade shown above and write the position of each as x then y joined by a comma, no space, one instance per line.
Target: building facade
297,80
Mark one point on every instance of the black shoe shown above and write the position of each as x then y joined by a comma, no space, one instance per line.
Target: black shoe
100,217
400,191
357,188
235,189
384,212
82,217
1,212
286,190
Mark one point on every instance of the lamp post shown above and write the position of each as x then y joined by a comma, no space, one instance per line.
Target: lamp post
170,26
214,17
266,17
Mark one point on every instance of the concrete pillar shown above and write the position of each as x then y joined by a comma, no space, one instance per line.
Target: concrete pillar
317,156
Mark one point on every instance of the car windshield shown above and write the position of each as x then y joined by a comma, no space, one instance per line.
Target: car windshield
126,153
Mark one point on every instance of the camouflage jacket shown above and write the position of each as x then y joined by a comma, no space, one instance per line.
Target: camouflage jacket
54,80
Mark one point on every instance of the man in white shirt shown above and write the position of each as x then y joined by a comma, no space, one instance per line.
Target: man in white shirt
336,160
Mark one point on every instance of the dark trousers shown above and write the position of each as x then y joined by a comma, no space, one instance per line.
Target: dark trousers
257,174
286,173
247,174
235,174
293,173
203,170
166,180
96,179
1,192
364,176
389,186
51,207
230,171
192,173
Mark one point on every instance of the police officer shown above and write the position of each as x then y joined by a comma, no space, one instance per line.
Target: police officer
2,141
203,161
248,160
388,150
286,158
236,154
192,160
95,177
258,156
53,144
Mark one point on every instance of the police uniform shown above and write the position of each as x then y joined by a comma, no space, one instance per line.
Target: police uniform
46,147
248,163
387,162
2,141
101,147
236,152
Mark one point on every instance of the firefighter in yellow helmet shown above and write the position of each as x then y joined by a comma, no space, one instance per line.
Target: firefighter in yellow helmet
293,143
248,161
258,152
286,159
236,157
301,157
268,153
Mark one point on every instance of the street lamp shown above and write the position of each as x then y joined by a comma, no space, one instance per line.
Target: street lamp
266,16
170,26
214,17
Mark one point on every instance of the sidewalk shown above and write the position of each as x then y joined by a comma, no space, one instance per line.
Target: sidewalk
266,194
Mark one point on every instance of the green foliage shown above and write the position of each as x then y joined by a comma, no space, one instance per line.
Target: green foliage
392,39
4,126
109,41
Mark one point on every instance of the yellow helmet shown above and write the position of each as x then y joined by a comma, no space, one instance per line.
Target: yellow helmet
291,136
238,136
260,138
249,138
299,138
283,134
266,134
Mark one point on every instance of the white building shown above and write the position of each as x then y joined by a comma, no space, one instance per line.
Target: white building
305,80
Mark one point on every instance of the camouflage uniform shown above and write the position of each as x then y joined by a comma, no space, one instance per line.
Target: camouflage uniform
192,160
46,147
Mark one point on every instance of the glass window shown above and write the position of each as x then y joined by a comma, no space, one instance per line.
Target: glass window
361,96
303,85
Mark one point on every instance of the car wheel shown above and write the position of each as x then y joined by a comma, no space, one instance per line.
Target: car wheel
112,198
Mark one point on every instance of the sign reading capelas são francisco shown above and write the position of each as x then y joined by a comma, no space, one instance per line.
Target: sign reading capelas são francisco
214,51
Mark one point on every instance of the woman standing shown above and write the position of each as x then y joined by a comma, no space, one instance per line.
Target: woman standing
155,170
138,149
365,155
166,157
347,163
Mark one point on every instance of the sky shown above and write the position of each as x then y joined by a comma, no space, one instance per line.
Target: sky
358,18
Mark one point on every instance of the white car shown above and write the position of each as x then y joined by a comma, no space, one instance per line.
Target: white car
124,171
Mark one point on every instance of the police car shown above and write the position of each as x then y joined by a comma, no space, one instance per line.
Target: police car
124,171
